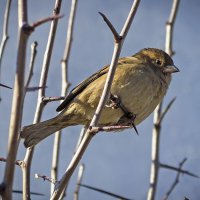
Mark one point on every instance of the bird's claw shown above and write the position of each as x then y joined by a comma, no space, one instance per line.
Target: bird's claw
116,103
132,117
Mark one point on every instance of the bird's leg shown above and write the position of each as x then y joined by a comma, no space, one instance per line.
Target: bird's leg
116,103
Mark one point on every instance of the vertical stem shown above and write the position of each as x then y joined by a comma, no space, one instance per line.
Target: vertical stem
65,86
155,153
17,103
5,33
26,167
79,180
5,30
158,111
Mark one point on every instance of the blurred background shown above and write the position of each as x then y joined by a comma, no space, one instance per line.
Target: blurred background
118,162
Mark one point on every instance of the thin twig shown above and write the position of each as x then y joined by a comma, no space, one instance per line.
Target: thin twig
117,37
17,103
5,35
29,28
64,87
176,181
158,115
81,135
178,170
59,187
166,110
105,192
32,61
45,20
170,27
34,88
32,193
2,85
108,128
79,180
45,178
46,100
41,94
17,162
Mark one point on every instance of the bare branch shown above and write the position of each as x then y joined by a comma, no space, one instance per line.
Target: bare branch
45,20
17,162
2,85
17,102
178,170
45,178
176,181
105,192
32,193
55,158
5,30
82,133
41,94
32,61
89,135
34,88
166,110
158,115
117,37
170,26
46,100
79,180
108,128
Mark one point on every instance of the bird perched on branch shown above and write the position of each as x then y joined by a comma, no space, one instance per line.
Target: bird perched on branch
140,83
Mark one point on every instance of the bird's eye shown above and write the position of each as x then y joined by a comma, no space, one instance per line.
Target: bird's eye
158,62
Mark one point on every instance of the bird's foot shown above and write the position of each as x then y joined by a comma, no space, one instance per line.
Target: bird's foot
116,103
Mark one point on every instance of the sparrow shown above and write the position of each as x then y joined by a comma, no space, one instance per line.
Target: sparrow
140,82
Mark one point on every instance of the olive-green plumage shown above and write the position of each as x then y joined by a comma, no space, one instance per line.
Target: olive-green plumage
140,81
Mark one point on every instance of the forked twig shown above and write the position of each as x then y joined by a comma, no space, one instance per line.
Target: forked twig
166,110
178,169
176,181
117,37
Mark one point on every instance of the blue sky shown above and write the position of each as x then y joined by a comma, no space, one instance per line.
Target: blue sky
118,162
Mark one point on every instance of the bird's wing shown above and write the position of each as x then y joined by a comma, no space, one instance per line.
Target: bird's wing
80,87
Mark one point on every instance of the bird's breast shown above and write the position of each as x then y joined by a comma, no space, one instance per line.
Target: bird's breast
139,93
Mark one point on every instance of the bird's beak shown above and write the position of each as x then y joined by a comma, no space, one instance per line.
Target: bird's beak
170,69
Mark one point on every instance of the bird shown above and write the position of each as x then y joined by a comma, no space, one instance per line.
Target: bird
140,83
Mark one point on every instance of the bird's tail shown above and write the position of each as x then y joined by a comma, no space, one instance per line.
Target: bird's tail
34,133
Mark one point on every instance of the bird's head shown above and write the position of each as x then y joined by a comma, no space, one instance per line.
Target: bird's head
159,59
